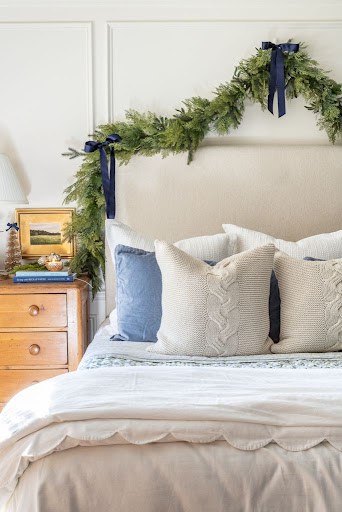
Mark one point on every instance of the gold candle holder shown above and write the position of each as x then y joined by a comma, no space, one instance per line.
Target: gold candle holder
53,262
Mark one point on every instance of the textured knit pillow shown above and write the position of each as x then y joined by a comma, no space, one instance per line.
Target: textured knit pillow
274,305
138,294
311,305
214,311
327,245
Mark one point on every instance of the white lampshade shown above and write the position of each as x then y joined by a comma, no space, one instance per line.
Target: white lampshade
10,189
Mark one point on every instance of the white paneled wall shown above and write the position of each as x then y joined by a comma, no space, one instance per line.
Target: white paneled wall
46,86
182,59
67,66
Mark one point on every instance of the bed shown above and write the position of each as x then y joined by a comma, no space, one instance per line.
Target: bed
134,430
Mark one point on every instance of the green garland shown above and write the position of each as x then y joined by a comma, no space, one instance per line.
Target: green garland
28,267
148,134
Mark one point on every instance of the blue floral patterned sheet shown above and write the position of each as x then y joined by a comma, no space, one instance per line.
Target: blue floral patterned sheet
103,352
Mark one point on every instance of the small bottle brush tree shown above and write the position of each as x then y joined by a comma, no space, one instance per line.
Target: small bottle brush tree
13,252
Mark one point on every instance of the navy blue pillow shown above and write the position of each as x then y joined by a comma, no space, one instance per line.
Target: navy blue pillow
274,309
309,258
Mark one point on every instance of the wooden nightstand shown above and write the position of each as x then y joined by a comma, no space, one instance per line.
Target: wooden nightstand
43,332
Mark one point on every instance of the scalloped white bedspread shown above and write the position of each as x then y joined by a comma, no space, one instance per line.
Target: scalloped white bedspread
248,408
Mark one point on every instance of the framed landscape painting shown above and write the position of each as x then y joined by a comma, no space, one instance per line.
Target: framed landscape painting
41,231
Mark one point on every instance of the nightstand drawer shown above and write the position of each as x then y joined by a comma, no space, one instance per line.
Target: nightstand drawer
33,348
43,332
33,310
12,381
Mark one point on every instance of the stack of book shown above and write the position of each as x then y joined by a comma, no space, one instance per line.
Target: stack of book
32,276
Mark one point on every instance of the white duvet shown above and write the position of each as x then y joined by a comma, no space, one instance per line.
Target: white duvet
248,408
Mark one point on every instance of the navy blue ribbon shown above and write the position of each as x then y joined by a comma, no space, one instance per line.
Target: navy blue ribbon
12,225
108,178
277,73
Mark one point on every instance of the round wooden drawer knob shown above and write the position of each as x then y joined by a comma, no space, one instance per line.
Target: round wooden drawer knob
33,310
34,349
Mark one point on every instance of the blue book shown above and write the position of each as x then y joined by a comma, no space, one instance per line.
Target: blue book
48,279
41,273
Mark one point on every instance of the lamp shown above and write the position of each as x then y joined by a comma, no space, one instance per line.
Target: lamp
10,189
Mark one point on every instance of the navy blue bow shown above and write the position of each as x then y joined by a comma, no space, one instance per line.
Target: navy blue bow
108,178
277,73
12,225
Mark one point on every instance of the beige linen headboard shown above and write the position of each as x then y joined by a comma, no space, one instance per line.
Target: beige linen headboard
290,192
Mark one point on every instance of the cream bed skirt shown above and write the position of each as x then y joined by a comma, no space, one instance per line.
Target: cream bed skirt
182,477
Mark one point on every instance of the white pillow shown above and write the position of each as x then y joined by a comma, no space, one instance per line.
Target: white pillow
212,247
113,319
105,328
311,305
326,246
214,311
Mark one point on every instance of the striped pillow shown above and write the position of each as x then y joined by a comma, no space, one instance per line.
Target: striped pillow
211,247
327,246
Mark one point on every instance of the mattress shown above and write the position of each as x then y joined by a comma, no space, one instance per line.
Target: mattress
103,352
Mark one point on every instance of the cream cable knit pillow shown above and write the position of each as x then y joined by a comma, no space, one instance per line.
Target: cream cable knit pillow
311,305
214,311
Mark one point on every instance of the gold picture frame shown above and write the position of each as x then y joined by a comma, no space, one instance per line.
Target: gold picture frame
41,232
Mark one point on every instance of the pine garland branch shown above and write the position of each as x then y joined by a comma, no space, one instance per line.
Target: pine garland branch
73,153
148,134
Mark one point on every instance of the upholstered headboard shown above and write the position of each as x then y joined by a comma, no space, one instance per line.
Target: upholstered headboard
290,192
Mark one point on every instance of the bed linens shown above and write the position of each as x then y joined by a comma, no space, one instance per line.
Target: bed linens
103,353
247,408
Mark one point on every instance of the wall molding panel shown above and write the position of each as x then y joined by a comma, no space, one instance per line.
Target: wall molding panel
83,27
177,62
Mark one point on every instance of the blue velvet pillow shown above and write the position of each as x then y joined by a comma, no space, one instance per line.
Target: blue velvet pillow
138,294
